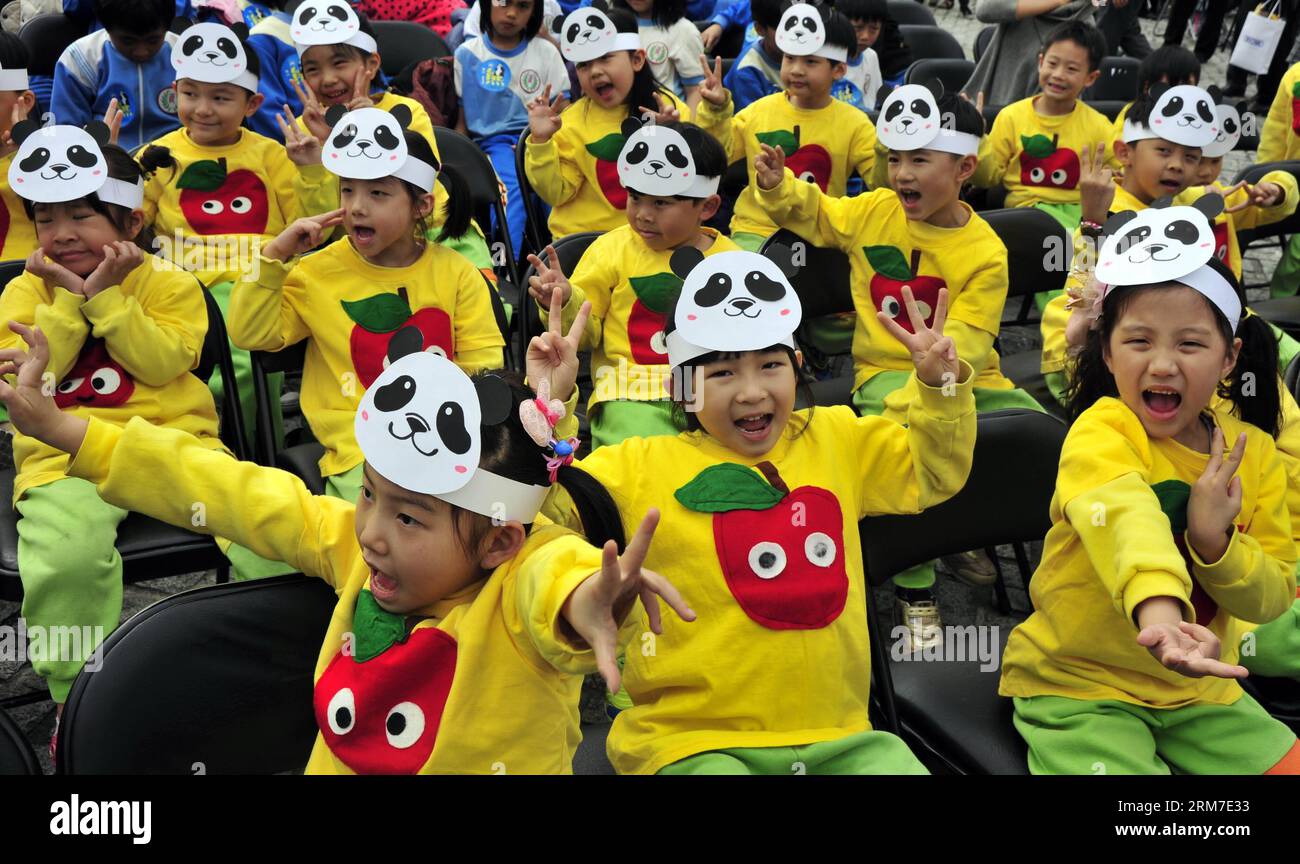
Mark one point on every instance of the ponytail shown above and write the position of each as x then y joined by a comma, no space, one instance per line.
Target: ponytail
1253,385
601,521
155,157
459,204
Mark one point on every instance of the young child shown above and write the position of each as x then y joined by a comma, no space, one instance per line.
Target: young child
17,233
757,71
1193,532
1169,65
497,75
130,60
861,84
124,331
914,232
627,277
1280,140
382,285
1036,144
570,159
760,504
672,45
458,639
827,140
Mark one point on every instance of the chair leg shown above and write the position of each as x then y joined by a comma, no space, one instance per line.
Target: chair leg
1000,585
223,575
883,680
1022,561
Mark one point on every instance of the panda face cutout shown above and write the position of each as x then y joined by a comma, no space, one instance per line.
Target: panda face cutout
419,424
57,163
737,301
800,32
213,54
324,22
909,119
588,33
1159,244
1185,115
365,144
656,161
1229,133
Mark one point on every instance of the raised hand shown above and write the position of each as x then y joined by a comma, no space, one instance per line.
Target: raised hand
1216,500
53,273
711,88
302,236
113,120
597,606
769,167
1259,195
550,278
313,113
667,112
554,356
933,354
16,115
978,103
1188,649
120,258
30,399
1096,184
544,115
710,36
361,91
301,148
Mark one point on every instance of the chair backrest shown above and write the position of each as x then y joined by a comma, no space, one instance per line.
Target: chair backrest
1290,225
1108,107
10,270
1006,498
982,40
930,42
822,281
217,680
473,164
215,357
1039,251
1291,377
46,36
1118,80
402,43
536,232
16,756
953,74
909,12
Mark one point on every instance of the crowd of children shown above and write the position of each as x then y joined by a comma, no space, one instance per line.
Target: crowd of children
275,170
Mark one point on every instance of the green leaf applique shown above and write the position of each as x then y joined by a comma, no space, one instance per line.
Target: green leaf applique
204,175
888,261
656,291
382,313
607,148
375,629
725,487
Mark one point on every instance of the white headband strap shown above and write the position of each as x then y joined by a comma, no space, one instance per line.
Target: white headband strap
418,173
492,495
129,195
361,40
957,143
1216,289
13,79
1136,132
681,352
702,187
623,42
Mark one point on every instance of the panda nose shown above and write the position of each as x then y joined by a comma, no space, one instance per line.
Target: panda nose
416,424
1157,247
362,145
905,122
211,55
656,165
59,168
742,304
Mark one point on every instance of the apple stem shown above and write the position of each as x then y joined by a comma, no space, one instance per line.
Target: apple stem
1055,138
916,263
796,139
770,472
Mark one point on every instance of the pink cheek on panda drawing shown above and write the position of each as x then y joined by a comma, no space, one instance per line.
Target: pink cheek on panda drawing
365,415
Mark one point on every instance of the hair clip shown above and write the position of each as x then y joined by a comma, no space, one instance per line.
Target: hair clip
539,418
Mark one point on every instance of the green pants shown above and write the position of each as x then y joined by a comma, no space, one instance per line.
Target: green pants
346,486
870,400
243,364
868,752
1273,649
1286,278
1079,736
613,421
1069,215
749,242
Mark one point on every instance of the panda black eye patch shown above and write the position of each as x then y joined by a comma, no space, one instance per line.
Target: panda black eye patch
1230,126
893,110
1182,231
337,12
192,44
227,47
638,152
764,288
714,291
346,135
305,15
1205,110
1175,105
395,395
451,427
38,158
385,138
792,23
574,30
808,24
920,108
676,156
80,156
593,21
1134,237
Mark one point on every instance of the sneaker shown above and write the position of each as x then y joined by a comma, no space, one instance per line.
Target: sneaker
973,568
921,617
620,701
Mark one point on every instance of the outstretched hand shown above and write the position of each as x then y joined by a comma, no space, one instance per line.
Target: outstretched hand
1188,649
933,354
30,399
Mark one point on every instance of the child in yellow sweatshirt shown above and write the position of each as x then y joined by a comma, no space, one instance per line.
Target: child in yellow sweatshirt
759,510
1169,65
571,158
1169,526
381,288
825,140
1280,140
458,640
917,236
124,331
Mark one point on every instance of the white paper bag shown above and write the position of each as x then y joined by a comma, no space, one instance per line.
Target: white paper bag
1259,38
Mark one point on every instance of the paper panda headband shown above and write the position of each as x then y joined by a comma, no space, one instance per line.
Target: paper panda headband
13,79
1184,115
802,33
369,144
733,301
420,426
328,22
1164,243
910,120
212,53
1229,132
657,161
64,163
587,33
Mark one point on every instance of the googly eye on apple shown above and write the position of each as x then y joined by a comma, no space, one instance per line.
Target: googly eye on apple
328,22
587,33
657,161
213,54
63,163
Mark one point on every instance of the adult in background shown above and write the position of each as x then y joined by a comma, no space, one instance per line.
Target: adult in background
1207,41
1267,84
1119,22
1008,70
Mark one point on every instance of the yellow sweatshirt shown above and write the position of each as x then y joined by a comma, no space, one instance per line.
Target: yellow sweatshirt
350,310
823,146
630,287
1280,137
887,251
765,550
1117,128
1118,518
1226,226
215,210
126,352
576,171
17,232
1037,157
485,673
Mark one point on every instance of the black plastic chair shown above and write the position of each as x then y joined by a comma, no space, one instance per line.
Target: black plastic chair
151,549
930,42
46,38
953,74
16,756
403,43
569,250
473,164
1108,107
982,40
910,12
1277,234
952,710
536,232
1118,81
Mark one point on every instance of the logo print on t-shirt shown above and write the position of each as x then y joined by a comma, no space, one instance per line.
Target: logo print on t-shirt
167,99
290,71
657,52
124,105
530,81
493,75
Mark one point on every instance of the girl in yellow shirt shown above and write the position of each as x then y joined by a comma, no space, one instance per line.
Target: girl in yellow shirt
1169,525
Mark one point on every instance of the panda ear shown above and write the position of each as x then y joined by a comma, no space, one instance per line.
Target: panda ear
99,131
1118,221
556,23
495,399
684,260
935,86
407,340
240,29
783,257
22,129
1211,205
334,114
1216,95
180,24
631,126
1243,107
402,114
600,4
1162,202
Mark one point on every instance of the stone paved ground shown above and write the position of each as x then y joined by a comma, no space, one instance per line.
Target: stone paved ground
960,603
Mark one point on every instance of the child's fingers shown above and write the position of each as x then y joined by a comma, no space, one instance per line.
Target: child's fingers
579,327
895,330
633,556
658,584
1233,462
333,217
557,312
1216,454
913,311
554,258
940,311
604,646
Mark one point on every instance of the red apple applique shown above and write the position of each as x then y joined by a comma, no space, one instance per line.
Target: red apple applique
1173,496
811,164
387,318
649,317
781,552
215,202
893,275
1044,164
606,152
379,708
1221,240
1295,107
96,380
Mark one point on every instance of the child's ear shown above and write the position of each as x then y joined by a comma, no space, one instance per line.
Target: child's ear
135,224
684,260
424,206
501,544
1123,152
254,102
839,70
334,114
638,59
966,166
1091,79
709,208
